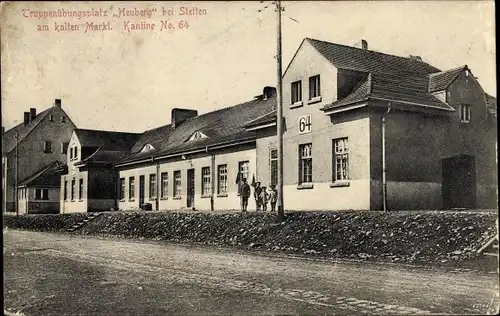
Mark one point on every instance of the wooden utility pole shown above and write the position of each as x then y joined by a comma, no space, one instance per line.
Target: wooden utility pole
279,118
16,189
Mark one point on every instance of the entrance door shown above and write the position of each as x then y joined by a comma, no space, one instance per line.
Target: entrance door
141,190
190,188
459,182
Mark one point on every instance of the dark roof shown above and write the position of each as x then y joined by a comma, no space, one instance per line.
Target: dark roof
105,140
441,80
48,176
403,88
264,119
223,126
353,58
491,103
9,137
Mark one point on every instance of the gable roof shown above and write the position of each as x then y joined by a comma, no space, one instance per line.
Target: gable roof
224,126
106,140
353,58
441,80
47,176
9,137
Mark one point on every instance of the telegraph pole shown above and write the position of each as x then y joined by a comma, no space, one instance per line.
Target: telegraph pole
16,193
279,117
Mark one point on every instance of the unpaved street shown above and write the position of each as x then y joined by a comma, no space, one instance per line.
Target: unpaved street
58,274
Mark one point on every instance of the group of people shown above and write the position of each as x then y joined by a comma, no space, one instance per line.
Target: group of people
261,194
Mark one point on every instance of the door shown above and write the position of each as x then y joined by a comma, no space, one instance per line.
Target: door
141,190
459,182
190,188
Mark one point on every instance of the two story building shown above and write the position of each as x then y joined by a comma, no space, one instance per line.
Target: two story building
89,179
366,130
29,148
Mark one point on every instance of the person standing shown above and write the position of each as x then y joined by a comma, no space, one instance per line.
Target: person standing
264,198
273,197
256,195
244,195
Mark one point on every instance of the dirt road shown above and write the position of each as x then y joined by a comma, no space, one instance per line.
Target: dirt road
58,274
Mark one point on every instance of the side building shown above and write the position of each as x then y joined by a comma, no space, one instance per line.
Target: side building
195,161
29,148
367,130
89,179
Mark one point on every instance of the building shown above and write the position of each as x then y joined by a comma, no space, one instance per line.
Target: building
39,141
40,192
363,128
194,161
89,179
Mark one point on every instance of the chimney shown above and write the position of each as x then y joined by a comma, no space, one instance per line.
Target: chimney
58,103
416,57
364,44
180,115
32,114
268,92
26,118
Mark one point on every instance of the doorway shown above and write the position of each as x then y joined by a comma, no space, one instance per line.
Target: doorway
141,190
459,182
190,188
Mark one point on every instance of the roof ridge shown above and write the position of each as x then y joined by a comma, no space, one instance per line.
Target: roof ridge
103,131
449,70
367,50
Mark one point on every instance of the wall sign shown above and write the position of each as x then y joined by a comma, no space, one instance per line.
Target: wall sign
305,125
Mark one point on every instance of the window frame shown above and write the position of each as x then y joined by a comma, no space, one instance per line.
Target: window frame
131,188
164,185
314,82
296,92
241,167
303,166
273,176
47,147
222,183
121,193
177,184
340,153
80,189
465,113
152,186
206,181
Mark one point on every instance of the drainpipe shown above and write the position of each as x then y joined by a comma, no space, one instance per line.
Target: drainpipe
384,171
16,191
212,182
158,186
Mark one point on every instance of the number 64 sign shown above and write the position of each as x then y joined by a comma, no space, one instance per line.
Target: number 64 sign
305,124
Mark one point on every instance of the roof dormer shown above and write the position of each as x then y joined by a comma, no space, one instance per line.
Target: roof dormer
197,136
147,148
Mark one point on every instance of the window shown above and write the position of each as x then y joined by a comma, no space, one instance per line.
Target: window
131,187
465,113
63,119
75,154
273,155
244,168
80,189
71,153
222,172
41,194
64,148
65,190
152,186
340,159
206,184
305,163
177,183
51,118
72,189
47,146
164,184
122,189
296,91
314,87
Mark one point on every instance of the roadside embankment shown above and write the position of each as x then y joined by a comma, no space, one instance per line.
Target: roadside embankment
411,237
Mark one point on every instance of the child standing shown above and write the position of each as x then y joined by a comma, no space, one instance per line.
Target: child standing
273,198
263,199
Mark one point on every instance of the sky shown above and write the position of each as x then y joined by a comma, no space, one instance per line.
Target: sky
129,80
